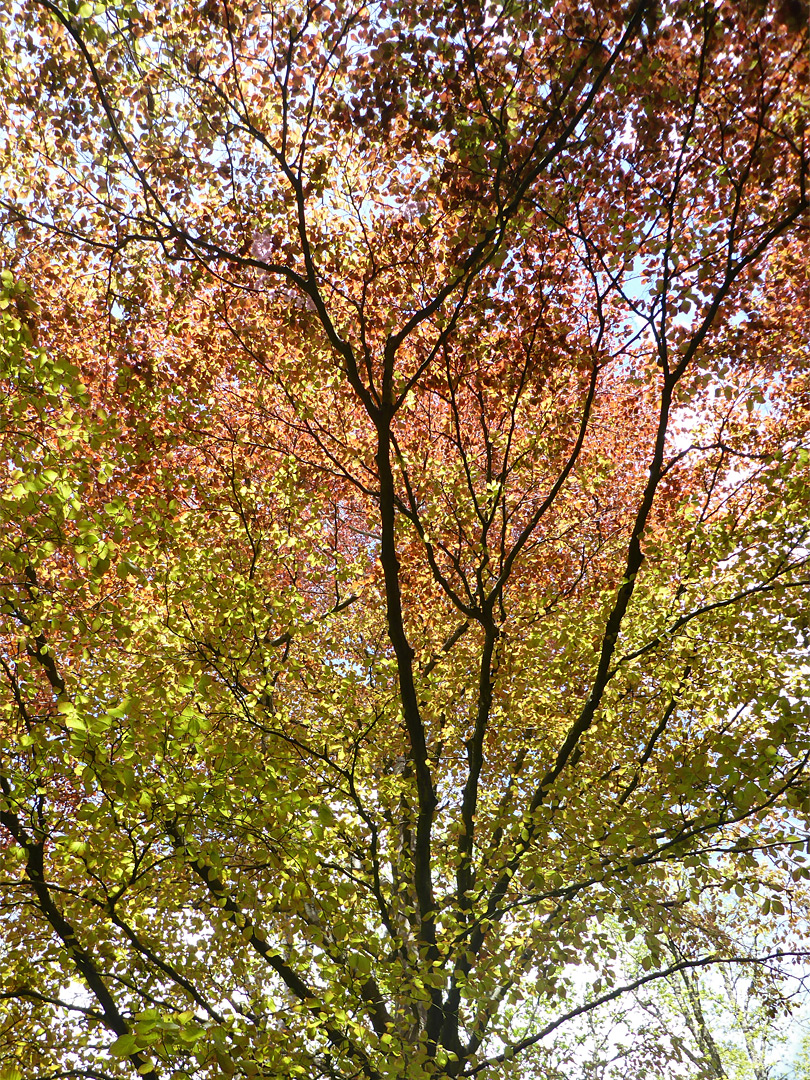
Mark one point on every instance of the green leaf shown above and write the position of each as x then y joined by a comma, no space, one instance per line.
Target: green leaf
124,1046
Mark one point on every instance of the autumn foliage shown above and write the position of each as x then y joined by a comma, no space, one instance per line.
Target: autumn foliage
405,529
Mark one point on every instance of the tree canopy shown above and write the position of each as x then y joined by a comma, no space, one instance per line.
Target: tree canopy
404,529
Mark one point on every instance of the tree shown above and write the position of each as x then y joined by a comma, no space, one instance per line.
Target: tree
405,541
721,1024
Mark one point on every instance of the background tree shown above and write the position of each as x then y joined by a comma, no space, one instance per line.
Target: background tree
406,532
